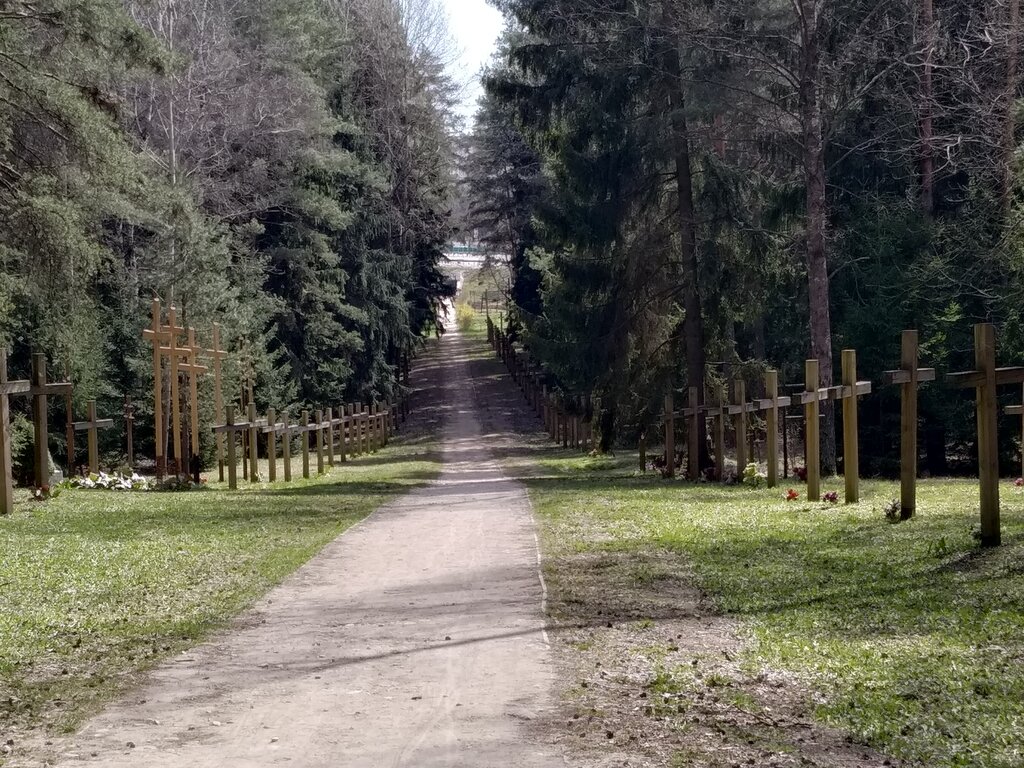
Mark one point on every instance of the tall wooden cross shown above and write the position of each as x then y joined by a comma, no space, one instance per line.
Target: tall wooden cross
908,377
193,370
770,405
287,431
811,399
156,335
985,380
217,354
849,393
7,388
92,427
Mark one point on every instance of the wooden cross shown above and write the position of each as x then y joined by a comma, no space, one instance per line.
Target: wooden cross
693,414
908,377
720,413
218,355
193,370
319,431
353,431
739,410
129,427
165,344
287,431
770,405
92,426
304,429
231,429
1018,410
848,393
156,335
7,388
985,379
271,430
39,390
811,399
329,424
254,453
670,435
341,423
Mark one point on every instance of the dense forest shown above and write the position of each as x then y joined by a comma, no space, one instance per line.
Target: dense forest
695,191
283,167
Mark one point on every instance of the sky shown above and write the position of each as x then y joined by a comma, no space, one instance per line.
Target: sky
476,27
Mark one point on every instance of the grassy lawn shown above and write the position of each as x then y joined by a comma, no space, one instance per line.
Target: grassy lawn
97,586
913,636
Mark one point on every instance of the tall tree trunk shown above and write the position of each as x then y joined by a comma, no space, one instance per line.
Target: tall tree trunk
817,220
693,320
1009,140
927,127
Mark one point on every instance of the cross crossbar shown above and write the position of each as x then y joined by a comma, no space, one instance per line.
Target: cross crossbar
904,377
781,402
976,379
81,426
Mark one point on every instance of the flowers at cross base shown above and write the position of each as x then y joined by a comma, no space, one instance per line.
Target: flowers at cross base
1019,482
831,498
792,495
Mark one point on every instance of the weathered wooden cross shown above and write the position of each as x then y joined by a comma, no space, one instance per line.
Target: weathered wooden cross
908,377
272,430
129,427
985,380
811,399
770,405
92,426
193,370
231,429
39,391
165,344
720,414
217,354
7,388
739,410
848,393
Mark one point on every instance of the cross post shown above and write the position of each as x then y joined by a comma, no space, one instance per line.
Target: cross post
254,453
985,379
304,429
217,354
286,446
908,377
720,413
670,435
156,335
811,399
39,390
6,464
231,429
319,431
92,426
739,410
770,405
849,392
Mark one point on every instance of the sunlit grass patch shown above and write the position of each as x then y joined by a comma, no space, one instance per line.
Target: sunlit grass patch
912,634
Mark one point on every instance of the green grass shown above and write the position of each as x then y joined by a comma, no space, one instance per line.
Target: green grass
913,635
96,586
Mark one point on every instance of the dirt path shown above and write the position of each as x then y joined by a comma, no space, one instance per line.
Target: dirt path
415,640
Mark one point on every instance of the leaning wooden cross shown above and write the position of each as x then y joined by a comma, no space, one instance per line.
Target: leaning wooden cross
193,370
985,380
908,377
7,388
92,426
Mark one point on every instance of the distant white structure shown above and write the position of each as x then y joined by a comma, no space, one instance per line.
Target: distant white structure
459,255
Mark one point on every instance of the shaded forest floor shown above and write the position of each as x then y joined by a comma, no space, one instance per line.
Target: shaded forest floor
722,626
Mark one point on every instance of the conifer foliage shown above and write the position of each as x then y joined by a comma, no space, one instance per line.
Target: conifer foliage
283,167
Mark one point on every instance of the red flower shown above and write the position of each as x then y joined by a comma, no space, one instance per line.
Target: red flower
792,495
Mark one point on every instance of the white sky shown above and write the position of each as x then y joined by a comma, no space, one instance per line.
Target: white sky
476,27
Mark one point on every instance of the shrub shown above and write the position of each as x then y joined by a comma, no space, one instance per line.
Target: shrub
465,316
752,477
